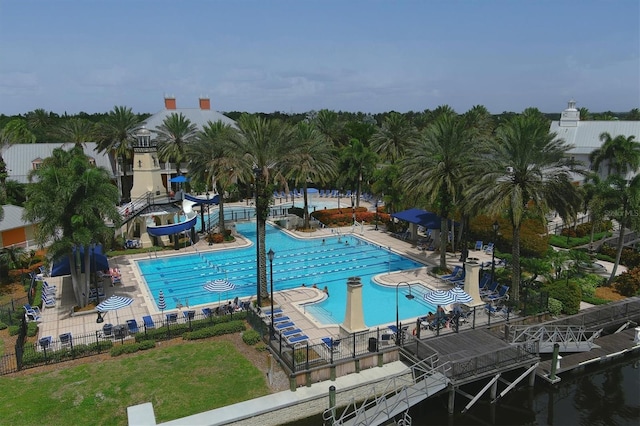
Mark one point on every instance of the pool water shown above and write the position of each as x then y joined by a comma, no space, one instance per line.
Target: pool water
297,261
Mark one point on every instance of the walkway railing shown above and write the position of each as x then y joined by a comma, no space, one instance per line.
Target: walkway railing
569,337
399,394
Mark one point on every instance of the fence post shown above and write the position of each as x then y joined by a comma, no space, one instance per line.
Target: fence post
332,401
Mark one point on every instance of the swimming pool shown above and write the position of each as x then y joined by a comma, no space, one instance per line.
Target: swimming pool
296,262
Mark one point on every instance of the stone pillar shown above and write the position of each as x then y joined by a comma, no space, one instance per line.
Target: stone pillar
472,283
354,316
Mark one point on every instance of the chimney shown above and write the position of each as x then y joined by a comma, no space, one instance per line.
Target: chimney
205,103
170,102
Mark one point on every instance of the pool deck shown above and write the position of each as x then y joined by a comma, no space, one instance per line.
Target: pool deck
59,319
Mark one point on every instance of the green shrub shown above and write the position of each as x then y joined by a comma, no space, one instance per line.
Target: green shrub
569,293
555,306
3,325
628,282
251,337
216,330
14,330
588,285
147,344
261,347
32,329
125,349
595,300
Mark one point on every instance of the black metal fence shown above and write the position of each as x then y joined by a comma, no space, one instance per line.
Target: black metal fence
65,347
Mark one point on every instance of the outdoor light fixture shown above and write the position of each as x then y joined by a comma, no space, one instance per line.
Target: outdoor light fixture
409,297
271,254
208,218
495,227
376,214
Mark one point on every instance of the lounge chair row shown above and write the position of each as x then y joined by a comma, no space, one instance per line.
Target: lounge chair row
284,326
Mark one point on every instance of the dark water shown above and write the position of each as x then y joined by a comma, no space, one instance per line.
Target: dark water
607,395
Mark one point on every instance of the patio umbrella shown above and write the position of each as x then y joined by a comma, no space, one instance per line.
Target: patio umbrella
219,286
162,304
439,297
460,295
114,303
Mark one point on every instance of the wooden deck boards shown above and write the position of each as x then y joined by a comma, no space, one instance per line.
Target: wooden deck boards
610,344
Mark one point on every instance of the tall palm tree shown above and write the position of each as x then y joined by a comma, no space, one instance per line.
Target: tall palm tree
436,165
15,131
311,159
78,130
621,201
263,147
116,136
173,134
211,158
525,172
620,153
356,162
330,126
70,200
391,140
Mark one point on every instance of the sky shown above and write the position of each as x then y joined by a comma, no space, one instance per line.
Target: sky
301,55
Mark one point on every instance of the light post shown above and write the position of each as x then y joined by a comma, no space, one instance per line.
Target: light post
259,250
376,214
271,254
495,227
208,218
409,297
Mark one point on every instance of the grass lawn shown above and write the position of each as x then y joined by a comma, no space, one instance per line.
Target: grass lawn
179,380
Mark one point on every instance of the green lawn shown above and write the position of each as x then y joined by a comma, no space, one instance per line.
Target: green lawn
179,380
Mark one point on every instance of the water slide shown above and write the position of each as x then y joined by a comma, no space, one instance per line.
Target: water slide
190,217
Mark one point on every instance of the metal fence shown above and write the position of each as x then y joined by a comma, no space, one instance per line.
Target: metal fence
55,349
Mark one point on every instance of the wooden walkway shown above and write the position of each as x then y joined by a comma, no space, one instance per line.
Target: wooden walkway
611,346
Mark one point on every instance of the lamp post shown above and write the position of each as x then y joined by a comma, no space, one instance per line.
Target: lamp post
495,227
259,250
376,214
208,218
271,254
409,297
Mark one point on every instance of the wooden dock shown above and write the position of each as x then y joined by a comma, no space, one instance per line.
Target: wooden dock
611,346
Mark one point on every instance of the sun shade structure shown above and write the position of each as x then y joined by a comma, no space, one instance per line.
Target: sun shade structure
114,303
439,297
460,295
97,262
180,179
420,217
219,286
162,303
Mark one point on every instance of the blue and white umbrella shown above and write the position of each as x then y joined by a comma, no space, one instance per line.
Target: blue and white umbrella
114,303
219,286
460,295
162,304
439,297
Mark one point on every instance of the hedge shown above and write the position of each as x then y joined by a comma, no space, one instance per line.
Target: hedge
251,337
132,347
216,330
38,357
175,330
569,293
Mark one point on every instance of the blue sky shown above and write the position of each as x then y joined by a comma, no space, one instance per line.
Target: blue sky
301,55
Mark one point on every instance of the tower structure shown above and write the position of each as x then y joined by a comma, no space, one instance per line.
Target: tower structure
147,175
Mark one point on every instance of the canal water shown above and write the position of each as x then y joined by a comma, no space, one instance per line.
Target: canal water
606,395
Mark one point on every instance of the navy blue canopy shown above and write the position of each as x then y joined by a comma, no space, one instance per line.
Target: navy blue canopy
97,259
420,217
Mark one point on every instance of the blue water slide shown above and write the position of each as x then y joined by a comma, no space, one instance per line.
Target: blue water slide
190,221
198,200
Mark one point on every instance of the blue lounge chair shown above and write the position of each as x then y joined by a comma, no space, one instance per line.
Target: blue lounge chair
276,311
48,289
281,319
207,312
47,301
292,332
490,289
284,325
501,295
132,326
172,317
45,342
298,339
478,245
148,321
189,314
488,249
331,344
66,340
456,271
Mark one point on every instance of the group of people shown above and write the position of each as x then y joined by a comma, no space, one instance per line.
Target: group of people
441,318
325,289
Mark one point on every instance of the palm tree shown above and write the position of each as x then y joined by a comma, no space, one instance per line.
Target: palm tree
211,159
330,126
15,131
70,200
116,136
436,165
392,139
78,130
264,147
620,153
173,134
525,172
310,160
356,162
